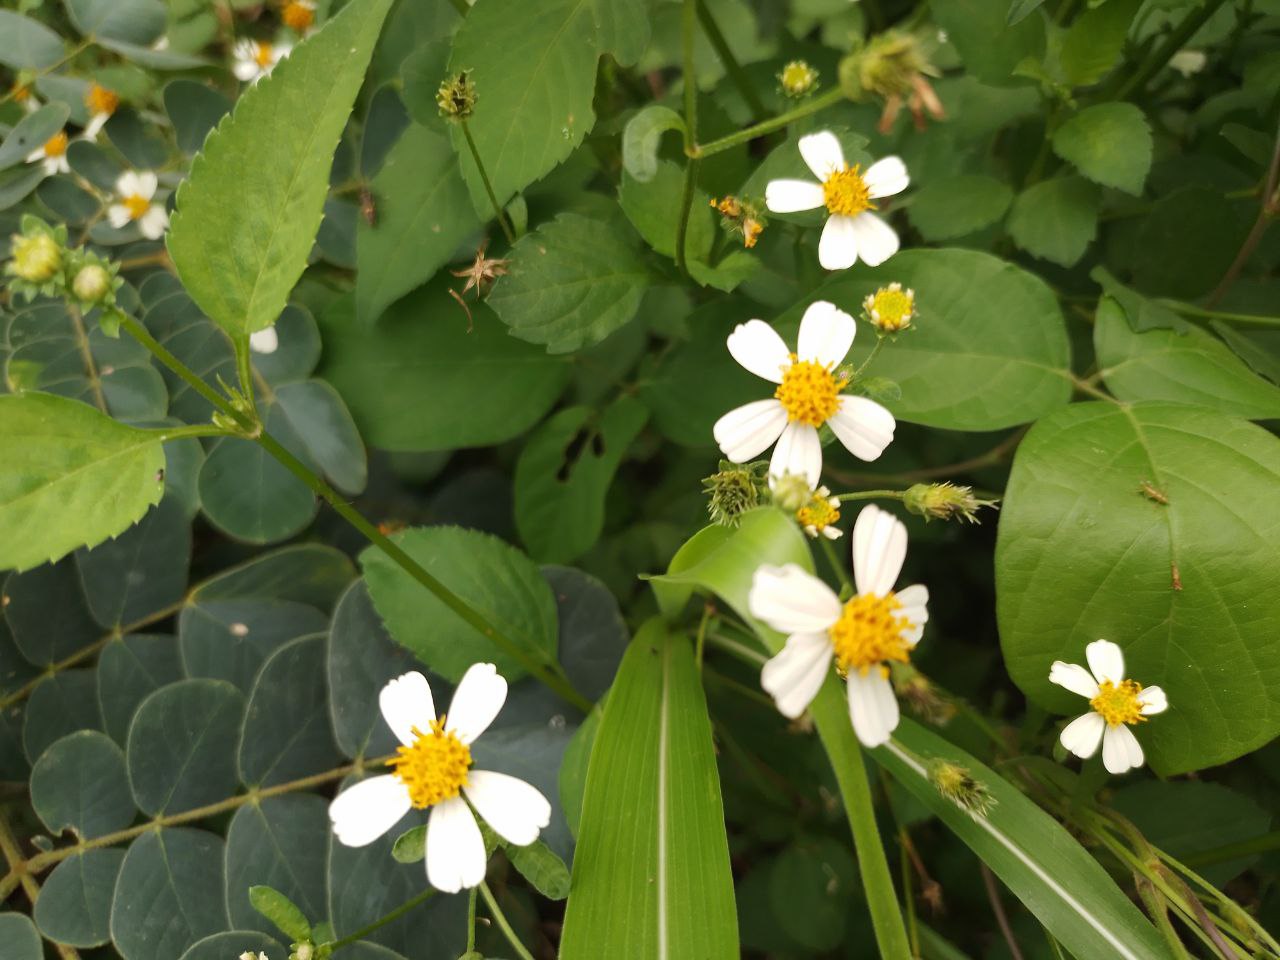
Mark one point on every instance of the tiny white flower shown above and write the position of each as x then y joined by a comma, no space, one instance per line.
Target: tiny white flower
873,629
1115,704
1188,62
808,396
852,231
53,154
254,59
135,192
264,341
433,770
820,515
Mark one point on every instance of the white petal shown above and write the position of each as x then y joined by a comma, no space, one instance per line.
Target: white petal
862,426
872,707
886,177
118,215
51,165
61,164
799,452
879,547
876,242
822,153
790,600
1121,751
364,812
154,222
480,695
147,184
406,702
914,599
826,334
95,125
1153,701
748,431
127,184
35,156
1074,677
792,196
266,340
455,848
838,246
759,349
1105,660
1083,734
515,810
246,70
794,675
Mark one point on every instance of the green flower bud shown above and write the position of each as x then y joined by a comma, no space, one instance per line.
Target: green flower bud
792,492
456,97
944,501
734,490
91,284
37,257
798,78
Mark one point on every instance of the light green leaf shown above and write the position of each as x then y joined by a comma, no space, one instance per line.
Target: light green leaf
420,381
424,213
26,44
1192,367
955,206
411,846
1184,587
31,132
1109,143
564,473
540,865
990,43
492,577
278,842
75,899
80,784
280,910
70,477
240,243
127,21
642,136
571,283
1093,44
652,831
1056,219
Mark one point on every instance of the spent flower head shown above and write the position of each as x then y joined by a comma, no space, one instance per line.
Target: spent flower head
894,66
957,784
741,216
945,501
922,696
798,79
734,489
456,97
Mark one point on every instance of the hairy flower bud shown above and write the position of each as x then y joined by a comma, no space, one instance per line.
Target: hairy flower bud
956,784
456,97
37,257
944,501
91,284
798,78
734,490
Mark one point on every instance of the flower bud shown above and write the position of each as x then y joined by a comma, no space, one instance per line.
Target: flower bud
944,501
791,491
456,97
798,78
91,284
890,309
303,951
956,784
37,257
733,491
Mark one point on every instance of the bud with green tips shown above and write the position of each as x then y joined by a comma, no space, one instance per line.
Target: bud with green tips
798,79
735,489
456,97
945,501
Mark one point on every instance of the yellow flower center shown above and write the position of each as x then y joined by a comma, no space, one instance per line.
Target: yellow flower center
137,205
298,16
846,193
56,145
809,392
891,308
101,100
435,767
868,633
20,92
818,513
262,54
1118,703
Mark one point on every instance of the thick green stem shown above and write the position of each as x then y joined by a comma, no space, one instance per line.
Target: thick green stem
488,187
731,64
871,495
1235,319
395,914
501,920
827,99
831,717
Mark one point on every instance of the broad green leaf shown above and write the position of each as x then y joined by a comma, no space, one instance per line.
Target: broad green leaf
1021,9
129,669
424,214
571,282
572,782
532,749
279,842
564,474
534,68
1192,367
169,894
988,348
1183,587
1143,314
492,577
420,381
281,911
80,784
642,136
593,635
248,494
26,44
539,865
286,733
1037,859
1186,243
17,183
328,436
1093,44
181,749
1251,348
174,319
955,206
652,832
231,639
297,352
70,477
240,243
46,611
314,574
811,883
1109,143
142,571
31,132
194,109
75,899
1055,219
61,705
17,932
127,21
990,45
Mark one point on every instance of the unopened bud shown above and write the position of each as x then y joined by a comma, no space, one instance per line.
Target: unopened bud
944,501
37,257
798,78
456,97
303,951
91,284
890,309
733,490
791,491
956,784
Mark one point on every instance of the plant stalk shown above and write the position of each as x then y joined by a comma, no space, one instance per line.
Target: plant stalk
820,102
488,187
501,920
382,921
731,64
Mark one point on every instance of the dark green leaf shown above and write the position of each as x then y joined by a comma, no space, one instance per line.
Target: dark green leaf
280,842
308,573
31,132
26,44
79,783
194,109
128,21
47,613
75,899
989,40
130,668
1093,44
16,931
593,635
61,705
1056,219
231,639
954,206
539,865
220,946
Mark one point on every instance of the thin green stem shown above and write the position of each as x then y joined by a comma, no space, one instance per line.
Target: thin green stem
833,560
471,921
1267,212
686,207
688,29
488,187
731,64
161,353
501,920
1158,910
1161,54
870,356
1237,319
871,495
382,921
820,102
997,909
244,369
168,434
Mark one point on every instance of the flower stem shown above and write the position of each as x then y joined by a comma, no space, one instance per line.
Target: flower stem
471,921
488,187
829,550
688,26
731,64
820,102
686,207
501,920
1236,319
382,921
871,495
870,356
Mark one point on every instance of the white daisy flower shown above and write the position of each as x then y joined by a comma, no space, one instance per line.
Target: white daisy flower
852,230
433,769
1115,705
53,154
101,104
136,192
864,635
254,59
264,341
820,515
808,396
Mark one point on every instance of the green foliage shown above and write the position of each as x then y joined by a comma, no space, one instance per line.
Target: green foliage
1109,143
281,911
1056,219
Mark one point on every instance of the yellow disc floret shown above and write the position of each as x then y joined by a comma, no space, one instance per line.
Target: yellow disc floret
101,100
1117,703
56,145
869,633
846,193
809,392
891,308
298,15
137,205
435,767
819,513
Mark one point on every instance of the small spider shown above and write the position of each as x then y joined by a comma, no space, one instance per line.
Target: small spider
479,275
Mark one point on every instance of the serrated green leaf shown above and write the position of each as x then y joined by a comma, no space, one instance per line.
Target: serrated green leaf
954,206
990,43
1056,219
75,899
1094,41
1182,587
1109,143
278,842
571,283
642,136
70,477
239,244
281,911
79,783
31,132
539,864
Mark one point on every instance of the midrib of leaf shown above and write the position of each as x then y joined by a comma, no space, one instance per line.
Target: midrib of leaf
663,763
